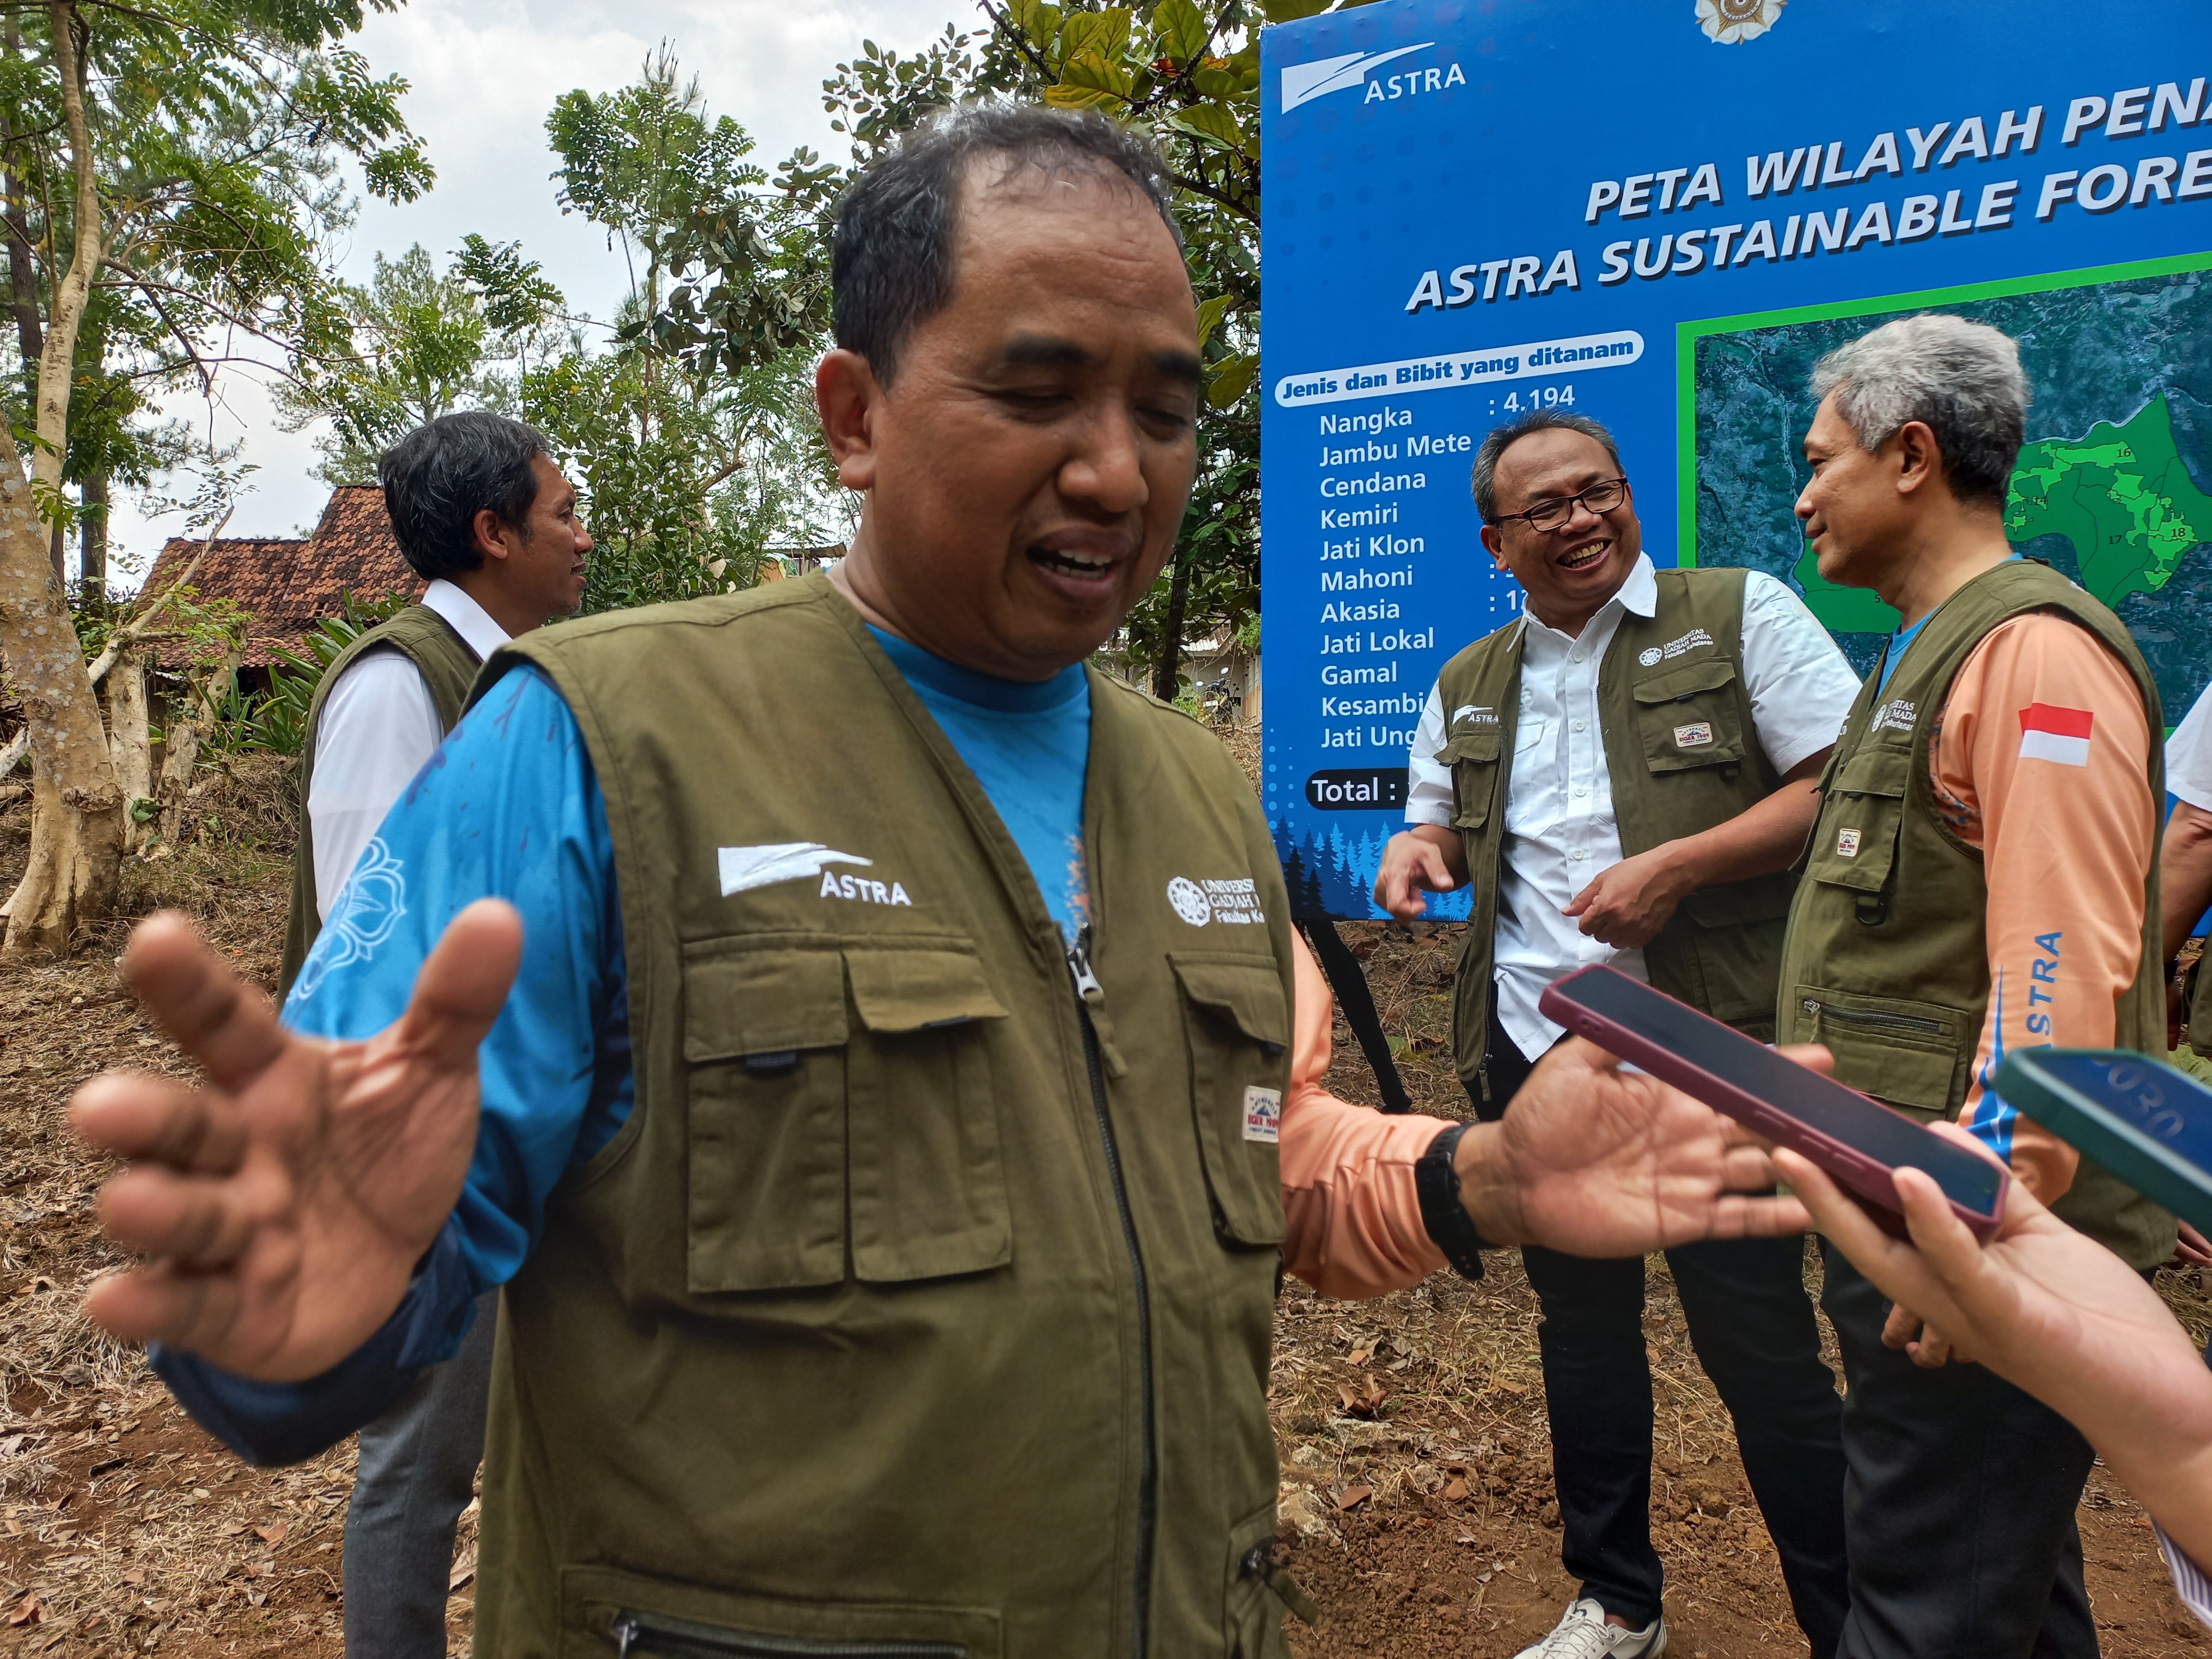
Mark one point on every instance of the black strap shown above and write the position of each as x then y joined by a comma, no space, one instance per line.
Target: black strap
1451,1228
1341,969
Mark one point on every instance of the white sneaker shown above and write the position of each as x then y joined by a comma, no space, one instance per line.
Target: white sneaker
1583,1634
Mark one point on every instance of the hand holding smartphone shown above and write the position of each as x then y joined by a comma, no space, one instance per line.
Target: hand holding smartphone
2147,1122
1858,1141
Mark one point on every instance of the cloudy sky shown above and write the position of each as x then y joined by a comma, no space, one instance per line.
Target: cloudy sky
483,75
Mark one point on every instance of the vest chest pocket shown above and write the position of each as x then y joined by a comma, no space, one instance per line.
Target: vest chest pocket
1854,843
819,1129
1910,1054
1474,761
1238,1028
1690,717
928,1191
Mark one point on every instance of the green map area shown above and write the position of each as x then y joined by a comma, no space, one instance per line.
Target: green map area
2107,489
2120,496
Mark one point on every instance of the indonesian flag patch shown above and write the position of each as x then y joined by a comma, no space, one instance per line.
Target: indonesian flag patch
2055,734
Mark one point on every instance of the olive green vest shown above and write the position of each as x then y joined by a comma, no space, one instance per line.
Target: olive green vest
1682,755
448,665
903,1316
1887,958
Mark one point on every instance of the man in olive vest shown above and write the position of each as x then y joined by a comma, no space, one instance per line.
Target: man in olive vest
1623,774
483,515
879,1142
1981,877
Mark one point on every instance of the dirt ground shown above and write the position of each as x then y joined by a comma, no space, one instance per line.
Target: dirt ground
1416,1490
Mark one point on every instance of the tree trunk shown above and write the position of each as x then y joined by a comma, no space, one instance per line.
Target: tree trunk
92,541
23,264
75,854
130,738
180,758
1168,669
77,807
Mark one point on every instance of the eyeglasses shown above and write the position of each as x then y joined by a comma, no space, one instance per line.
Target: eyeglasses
1600,498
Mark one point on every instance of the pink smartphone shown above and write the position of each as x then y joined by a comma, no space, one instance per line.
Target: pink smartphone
1857,1140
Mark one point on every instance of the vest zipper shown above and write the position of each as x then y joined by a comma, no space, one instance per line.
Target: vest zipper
654,1635
1914,1022
1078,965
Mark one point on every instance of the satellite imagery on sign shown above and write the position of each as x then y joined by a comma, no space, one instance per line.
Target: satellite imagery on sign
2107,488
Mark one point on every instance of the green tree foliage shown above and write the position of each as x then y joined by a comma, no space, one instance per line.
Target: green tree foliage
691,437
688,481
219,129
424,344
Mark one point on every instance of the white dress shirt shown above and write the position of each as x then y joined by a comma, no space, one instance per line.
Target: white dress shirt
1561,831
2191,1582
379,723
2189,755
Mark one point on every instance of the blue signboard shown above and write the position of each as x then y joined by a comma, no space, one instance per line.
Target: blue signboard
1661,213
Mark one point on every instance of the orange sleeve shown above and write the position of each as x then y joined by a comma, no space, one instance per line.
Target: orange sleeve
1354,1215
2042,763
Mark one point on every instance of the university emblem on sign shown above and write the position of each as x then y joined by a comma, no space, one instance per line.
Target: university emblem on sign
1732,21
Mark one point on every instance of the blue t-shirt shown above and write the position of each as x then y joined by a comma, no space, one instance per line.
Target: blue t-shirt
509,808
1899,642
1028,745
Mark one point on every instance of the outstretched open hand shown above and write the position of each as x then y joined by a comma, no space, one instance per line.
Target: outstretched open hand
284,1206
1595,1161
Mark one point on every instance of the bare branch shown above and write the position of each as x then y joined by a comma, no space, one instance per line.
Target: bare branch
135,629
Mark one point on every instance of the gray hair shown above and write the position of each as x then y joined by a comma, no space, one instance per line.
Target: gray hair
1961,379
1503,438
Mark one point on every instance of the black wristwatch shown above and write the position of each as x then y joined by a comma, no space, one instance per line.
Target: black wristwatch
1451,1228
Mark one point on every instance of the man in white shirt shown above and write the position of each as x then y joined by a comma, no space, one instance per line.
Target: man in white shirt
479,509
1624,774
2185,869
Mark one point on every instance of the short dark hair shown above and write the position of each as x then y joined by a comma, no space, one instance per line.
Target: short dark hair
891,244
439,476
1503,438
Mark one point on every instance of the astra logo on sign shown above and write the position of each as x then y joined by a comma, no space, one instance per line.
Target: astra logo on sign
1303,82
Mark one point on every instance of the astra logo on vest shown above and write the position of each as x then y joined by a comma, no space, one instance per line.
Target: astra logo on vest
1479,713
743,868
860,887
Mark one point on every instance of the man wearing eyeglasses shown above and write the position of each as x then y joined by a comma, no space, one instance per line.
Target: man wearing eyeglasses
1624,775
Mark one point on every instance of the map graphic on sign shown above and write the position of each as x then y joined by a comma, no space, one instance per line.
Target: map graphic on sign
2107,488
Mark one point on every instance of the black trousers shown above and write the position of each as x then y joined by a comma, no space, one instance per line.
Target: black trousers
1753,1326
1959,1501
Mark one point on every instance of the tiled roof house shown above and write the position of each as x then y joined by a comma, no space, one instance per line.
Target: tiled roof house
287,584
